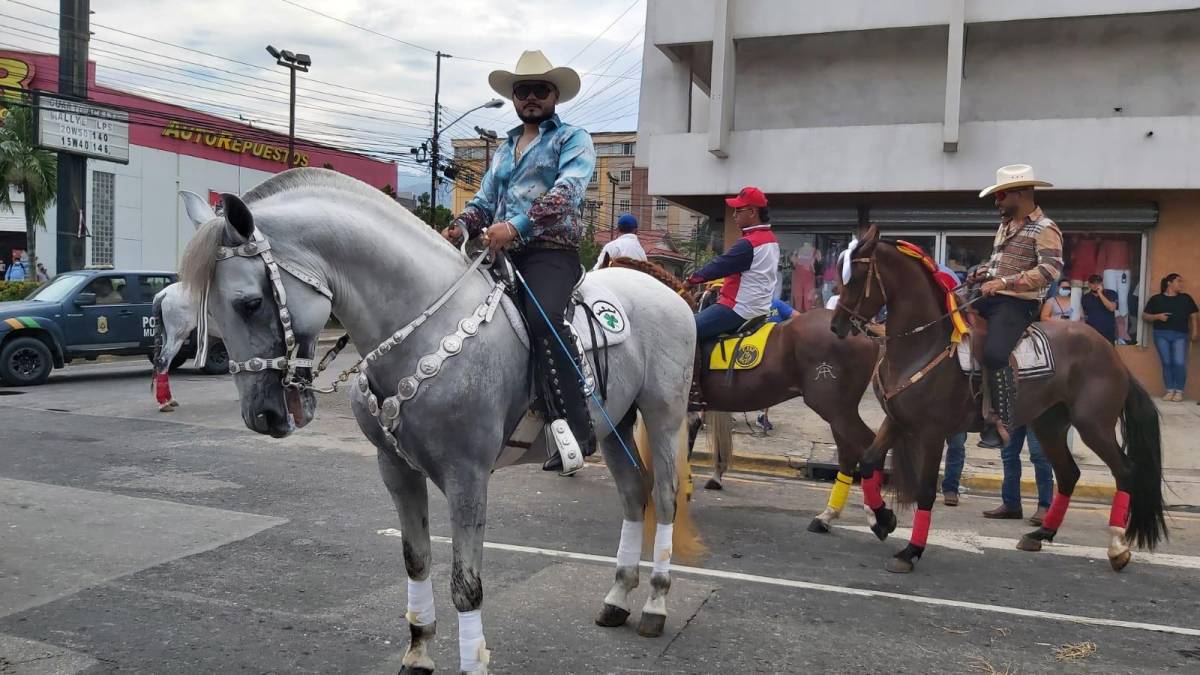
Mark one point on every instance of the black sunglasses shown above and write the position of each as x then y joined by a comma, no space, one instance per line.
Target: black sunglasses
539,89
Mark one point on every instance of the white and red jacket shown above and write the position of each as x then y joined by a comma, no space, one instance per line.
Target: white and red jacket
750,267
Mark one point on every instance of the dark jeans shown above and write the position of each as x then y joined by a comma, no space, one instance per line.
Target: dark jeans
716,319
1010,456
1007,317
1172,346
956,457
551,275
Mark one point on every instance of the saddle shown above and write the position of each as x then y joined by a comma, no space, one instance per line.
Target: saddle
1031,359
742,349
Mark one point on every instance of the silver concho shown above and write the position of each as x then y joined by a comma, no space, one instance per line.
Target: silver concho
429,365
390,409
452,344
255,364
363,384
407,388
468,326
373,404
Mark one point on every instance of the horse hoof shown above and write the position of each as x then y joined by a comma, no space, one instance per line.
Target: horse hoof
173,403
1118,563
415,670
899,566
1028,543
652,625
166,407
612,616
885,523
818,526
713,484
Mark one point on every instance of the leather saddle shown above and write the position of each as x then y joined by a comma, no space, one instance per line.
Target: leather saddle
1032,358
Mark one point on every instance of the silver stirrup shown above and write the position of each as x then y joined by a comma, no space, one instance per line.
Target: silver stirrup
568,448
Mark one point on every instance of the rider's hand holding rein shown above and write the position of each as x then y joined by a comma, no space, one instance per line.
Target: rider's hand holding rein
453,232
993,286
499,236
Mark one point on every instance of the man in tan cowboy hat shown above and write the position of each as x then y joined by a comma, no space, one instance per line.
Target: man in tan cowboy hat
528,202
1026,260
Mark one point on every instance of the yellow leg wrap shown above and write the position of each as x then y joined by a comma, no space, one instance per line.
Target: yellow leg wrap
841,489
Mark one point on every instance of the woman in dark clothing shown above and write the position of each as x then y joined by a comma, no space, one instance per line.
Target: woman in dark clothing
1174,316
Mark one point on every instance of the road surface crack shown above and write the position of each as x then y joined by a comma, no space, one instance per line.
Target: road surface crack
687,623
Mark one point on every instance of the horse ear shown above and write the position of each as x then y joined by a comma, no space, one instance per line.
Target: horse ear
197,208
872,234
237,214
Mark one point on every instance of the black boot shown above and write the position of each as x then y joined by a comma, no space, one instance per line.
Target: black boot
565,391
1003,388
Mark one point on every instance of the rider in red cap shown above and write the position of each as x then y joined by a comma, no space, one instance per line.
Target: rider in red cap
750,267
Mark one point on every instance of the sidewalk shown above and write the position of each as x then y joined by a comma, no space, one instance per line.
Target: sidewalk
802,445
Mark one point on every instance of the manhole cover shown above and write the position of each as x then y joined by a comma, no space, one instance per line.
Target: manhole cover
9,392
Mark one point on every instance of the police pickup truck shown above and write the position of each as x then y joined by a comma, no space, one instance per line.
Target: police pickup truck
81,315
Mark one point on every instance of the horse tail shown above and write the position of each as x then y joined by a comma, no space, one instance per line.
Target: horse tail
720,440
159,333
1142,444
686,546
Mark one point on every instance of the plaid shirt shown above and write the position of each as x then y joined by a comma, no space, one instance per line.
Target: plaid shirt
540,191
1027,255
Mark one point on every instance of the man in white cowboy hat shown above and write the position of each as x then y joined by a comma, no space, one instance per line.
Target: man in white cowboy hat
528,202
1026,259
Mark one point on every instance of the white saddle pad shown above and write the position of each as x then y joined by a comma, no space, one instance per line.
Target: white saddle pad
1034,358
604,304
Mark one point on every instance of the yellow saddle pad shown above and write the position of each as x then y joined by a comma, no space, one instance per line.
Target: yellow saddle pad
749,353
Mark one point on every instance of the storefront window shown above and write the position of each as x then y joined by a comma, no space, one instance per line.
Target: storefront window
1116,258
964,251
807,268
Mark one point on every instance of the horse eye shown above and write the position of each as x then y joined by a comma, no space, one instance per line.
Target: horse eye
249,306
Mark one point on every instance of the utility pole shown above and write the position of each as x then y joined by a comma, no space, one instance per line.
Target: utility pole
612,223
74,31
488,136
435,151
293,62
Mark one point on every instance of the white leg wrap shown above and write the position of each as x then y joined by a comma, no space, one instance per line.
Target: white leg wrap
662,548
420,603
1116,541
870,516
473,655
829,514
629,551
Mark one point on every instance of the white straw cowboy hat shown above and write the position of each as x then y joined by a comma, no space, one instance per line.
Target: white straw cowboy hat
1014,176
533,66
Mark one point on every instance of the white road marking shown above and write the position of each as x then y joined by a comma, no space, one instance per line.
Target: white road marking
976,543
830,588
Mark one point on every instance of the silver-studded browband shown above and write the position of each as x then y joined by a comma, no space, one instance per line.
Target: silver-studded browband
259,247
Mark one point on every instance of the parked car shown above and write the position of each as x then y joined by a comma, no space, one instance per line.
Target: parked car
84,315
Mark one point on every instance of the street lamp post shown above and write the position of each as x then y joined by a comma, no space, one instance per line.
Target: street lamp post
435,148
612,223
293,62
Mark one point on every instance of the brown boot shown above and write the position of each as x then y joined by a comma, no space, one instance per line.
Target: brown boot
1036,518
950,498
1003,512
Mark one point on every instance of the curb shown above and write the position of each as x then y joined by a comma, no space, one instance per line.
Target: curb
784,466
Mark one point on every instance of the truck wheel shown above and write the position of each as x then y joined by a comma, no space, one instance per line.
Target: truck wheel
25,362
218,359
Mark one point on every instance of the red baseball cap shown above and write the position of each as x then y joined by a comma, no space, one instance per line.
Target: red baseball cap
749,196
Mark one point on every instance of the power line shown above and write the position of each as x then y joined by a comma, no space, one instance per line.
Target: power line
598,35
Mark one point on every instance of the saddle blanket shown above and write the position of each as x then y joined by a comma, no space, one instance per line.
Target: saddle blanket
1033,356
603,303
749,352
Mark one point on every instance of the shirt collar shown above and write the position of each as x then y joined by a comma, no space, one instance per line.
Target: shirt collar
552,123
1034,215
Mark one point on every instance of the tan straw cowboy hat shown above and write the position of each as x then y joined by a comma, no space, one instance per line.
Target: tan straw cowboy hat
533,66
1014,176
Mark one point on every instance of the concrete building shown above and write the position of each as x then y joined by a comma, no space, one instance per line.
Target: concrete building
898,113
133,216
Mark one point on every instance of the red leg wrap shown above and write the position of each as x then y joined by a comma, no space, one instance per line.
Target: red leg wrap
162,388
920,530
1119,515
871,490
1058,509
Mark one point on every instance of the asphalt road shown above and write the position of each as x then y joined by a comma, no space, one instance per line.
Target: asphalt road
136,541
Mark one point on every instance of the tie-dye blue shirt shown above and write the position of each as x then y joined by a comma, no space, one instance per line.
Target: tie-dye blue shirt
540,192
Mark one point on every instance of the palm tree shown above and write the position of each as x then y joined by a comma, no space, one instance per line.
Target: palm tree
31,170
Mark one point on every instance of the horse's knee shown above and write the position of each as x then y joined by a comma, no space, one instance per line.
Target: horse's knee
466,589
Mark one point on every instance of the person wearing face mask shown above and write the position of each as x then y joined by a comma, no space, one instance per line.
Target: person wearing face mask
1059,305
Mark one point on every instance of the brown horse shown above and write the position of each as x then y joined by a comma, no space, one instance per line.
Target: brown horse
927,397
801,358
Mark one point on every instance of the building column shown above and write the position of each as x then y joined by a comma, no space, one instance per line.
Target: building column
954,69
720,118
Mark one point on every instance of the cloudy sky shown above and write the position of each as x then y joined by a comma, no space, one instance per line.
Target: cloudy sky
372,79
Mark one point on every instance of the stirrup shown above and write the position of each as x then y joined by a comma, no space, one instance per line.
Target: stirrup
570,456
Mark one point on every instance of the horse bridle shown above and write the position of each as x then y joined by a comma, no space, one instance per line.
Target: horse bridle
857,319
288,364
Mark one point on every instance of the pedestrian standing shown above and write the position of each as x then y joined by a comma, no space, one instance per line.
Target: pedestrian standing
1059,306
1100,308
1172,312
625,246
1010,489
16,271
956,457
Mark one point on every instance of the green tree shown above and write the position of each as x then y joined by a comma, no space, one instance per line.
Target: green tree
698,248
29,169
438,221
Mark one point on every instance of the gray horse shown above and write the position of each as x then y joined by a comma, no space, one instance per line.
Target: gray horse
308,243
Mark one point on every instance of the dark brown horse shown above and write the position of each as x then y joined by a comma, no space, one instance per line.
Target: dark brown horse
801,358
927,397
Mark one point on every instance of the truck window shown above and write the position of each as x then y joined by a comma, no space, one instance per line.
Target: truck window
57,290
150,285
108,290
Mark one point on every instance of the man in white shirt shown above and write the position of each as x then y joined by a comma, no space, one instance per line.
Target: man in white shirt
624,246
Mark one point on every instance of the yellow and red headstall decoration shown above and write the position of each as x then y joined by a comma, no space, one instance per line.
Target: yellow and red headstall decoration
946,281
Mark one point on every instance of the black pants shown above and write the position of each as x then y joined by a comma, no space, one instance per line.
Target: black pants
1007,317
551,275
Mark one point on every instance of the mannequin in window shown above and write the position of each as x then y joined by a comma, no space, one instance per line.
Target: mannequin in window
804,278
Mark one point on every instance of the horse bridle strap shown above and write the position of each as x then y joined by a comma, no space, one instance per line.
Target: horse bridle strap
915,377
